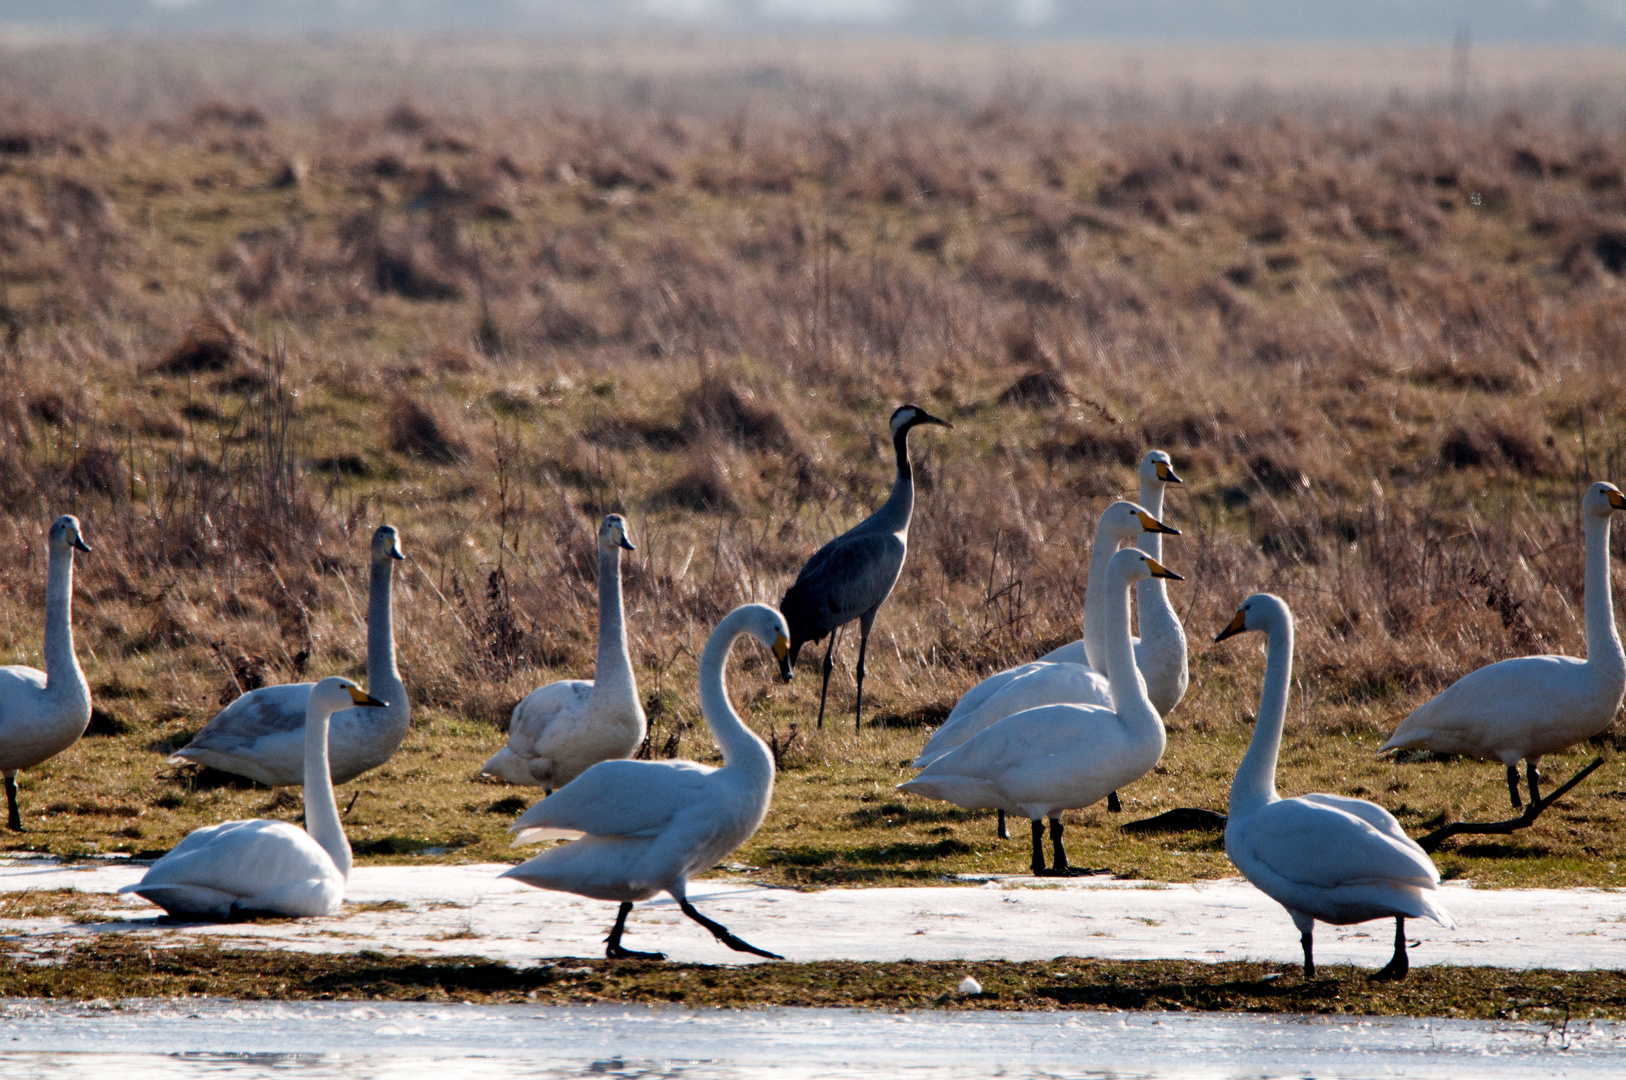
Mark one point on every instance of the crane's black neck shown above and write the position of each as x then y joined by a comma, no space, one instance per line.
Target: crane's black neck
900,444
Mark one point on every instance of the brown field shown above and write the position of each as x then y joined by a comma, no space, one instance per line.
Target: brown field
1384,347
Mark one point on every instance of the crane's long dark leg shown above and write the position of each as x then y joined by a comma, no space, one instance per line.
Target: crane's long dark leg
829,666
1113,805
14,815
720,932
863,645
1513,786
612,944
1397,968
1004,830
1307,942
1038,847
1534,776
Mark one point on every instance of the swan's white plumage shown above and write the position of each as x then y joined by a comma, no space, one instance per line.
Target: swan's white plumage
42,713
1325,858
261,734
1529,706
1042,761
1063,676
645,826
559,730
267,866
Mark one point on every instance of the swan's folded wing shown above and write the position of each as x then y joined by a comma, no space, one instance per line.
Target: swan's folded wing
1023,740
1478,706
1311,843
615,798
1031,686
1369,812
544,705
258,714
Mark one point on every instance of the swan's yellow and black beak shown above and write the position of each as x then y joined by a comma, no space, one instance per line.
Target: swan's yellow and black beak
1237,624
362,697
1152,525
1616,500
396,552
625,543
78,544
1165,473
781,652
1159,570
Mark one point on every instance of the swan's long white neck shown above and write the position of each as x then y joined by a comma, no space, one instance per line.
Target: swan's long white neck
64,680
1153,591
894,514
1124,680
1096,601
1603,650
321,808
742,750
383,677
612,672
1255,783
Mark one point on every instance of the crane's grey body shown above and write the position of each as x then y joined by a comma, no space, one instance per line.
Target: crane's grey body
851,576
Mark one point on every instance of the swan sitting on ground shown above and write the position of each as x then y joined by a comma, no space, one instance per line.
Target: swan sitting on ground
560,729
1043,761
42,713
1325,857
1051,682
261,735
1524,708
270,867
646,826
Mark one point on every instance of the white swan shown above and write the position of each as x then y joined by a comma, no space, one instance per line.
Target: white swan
1050,681
261,735
645,826
560,729
1523,708
1062,757
268,866
1323,857
42,713
1160,650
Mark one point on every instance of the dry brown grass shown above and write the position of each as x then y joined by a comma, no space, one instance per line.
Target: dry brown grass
1385,353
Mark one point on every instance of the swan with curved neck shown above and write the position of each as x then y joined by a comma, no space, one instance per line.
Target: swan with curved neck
1050,682
563,728
639,828
42,713
1530,706
1322,857
851,576
1043,761
268,866
261,734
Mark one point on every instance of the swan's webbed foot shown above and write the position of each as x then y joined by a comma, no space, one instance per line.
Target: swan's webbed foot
721,933
1397,967
614,950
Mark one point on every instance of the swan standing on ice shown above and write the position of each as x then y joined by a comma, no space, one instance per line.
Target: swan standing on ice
261,735
851,576
561,729
1325,857
645,826
1043,761
42,713
1524,708
268,866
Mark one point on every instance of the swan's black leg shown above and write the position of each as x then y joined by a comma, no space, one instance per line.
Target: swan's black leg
1397,967
1307,942
1513,786
858,709
1113,805
14,815
829,666
1059,865
720,932
1038,847
613,948
1534,776
1004,830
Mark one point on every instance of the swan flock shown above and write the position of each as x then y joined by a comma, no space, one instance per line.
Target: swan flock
1061,732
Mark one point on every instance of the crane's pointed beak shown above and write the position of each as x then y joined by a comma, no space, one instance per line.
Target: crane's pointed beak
927,418
1237,624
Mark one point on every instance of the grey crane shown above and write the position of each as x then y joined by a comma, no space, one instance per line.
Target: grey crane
851,576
